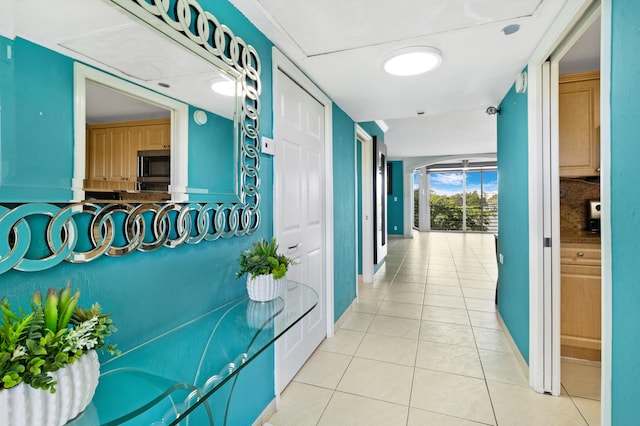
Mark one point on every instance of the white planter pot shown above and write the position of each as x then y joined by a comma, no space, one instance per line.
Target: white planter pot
264,288
260,315
23,405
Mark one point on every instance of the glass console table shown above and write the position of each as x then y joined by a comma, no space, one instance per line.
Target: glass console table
172,379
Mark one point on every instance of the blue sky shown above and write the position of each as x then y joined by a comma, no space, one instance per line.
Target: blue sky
451,182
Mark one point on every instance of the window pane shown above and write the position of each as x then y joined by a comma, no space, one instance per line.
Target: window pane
490,186
446,201
480,186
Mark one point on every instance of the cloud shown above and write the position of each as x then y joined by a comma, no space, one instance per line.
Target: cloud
447,178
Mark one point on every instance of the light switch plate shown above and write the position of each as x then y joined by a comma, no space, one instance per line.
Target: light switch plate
268,146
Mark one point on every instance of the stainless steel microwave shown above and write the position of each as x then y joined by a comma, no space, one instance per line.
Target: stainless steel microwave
154,170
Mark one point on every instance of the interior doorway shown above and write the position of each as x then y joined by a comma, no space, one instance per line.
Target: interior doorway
579,211
547,244
364,178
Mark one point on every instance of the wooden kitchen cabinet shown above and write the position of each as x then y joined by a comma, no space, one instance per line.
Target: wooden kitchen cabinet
579,124
112,151
580,301
97,170
157,136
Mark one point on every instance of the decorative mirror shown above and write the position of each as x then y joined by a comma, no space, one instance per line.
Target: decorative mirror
117,142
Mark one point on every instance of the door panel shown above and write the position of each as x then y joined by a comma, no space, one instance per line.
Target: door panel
315,319
314,185
291,187
299,220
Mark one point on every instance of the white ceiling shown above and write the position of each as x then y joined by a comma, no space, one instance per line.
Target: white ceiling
585,54
98,33
341,44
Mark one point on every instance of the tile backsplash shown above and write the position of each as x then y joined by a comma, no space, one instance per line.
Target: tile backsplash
574,194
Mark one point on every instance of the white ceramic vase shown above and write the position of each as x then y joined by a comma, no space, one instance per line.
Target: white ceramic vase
260,315
23,405
263,288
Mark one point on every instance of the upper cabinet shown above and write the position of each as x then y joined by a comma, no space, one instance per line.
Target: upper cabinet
579,129
112,151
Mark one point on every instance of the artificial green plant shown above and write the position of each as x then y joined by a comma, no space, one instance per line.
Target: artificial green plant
51,336
263,259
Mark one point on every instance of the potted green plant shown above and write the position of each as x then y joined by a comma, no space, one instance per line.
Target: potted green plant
48,363
265,269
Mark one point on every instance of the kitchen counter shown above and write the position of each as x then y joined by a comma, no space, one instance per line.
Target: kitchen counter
580,237
108,196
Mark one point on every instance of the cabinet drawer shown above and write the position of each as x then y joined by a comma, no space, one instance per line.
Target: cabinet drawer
580,254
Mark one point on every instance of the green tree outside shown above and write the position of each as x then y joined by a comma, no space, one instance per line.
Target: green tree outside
447,211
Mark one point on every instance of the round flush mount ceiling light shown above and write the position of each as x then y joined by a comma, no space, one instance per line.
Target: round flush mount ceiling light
224,87
412,60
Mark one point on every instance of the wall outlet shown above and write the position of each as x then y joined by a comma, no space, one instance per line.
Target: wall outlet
268,146
395,199
395,228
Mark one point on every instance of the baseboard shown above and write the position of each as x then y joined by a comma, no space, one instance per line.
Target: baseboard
344,315
266,414
514,348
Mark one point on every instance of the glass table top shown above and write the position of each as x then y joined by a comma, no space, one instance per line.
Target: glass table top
175,373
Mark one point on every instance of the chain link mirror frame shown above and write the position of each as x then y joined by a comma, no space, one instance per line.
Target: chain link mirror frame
149,226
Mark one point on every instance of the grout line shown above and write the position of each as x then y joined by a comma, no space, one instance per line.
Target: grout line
475,341
404,250
578,408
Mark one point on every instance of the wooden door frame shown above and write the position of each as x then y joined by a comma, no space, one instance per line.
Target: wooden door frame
282,64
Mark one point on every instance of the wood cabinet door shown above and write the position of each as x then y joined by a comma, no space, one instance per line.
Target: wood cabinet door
579,125
112,151
157,136
97,155
118,155
580,311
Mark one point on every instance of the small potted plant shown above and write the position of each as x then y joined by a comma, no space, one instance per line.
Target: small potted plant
48,363
265,269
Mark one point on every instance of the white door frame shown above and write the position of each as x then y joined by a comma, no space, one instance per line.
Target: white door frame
282,63
573,12
366,180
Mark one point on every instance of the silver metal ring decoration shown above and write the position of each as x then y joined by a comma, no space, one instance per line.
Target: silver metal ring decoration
186,22
82,232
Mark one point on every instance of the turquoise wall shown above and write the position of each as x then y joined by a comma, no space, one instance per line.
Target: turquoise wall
208,143
148,293
625,222
372,129
344,210
513,227
39,114
395,201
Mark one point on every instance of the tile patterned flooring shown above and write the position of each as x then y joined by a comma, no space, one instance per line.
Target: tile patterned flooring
423,346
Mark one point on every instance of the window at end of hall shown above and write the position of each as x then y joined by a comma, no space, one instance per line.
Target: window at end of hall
456,197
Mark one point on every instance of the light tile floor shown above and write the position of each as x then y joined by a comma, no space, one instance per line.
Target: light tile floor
423,346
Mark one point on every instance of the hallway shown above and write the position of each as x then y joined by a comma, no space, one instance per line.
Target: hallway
423,346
